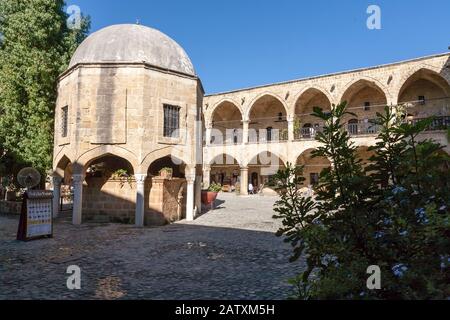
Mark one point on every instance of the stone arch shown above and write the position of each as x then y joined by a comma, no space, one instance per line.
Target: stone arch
268,118
365,82
263,166
96,153
441,73
425,92
312,167
210,112
315,88
225,170
252,156
428,73
226,157
262,95
63,152
172,152
63,167
226,122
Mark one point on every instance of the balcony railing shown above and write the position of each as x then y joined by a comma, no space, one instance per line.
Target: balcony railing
359,128
363,127
308,133
439,123
264,136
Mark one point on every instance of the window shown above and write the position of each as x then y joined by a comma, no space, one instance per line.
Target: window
269,133
280,116
171,121
314,179
353,126
421,100
64,121
366,106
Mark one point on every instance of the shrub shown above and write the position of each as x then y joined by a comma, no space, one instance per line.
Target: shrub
393,213
215,187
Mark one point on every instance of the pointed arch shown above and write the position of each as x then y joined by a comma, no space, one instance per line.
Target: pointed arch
425,72
174,153
105,150
362,82
210,112
315,89
259,97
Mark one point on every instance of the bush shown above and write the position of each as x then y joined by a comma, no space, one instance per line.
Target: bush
215,187
393,213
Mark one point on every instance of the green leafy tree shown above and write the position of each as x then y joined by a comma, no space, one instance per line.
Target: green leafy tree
393,213
35,49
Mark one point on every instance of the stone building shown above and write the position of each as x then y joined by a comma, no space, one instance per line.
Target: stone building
131,104
128,106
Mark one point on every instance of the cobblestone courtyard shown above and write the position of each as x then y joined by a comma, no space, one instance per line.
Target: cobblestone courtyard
228,253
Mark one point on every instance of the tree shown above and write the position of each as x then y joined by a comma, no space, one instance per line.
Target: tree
393,213
35,49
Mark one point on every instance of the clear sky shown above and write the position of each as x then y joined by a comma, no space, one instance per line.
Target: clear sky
243,43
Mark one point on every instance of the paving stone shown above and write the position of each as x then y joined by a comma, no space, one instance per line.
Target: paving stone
231,253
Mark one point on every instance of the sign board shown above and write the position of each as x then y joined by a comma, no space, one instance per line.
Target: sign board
36,218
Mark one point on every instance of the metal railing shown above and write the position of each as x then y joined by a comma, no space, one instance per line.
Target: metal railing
438,123
308,133
363,127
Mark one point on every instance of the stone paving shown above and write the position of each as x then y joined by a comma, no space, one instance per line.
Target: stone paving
228,253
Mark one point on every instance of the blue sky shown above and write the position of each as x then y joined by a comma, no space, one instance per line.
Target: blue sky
243,43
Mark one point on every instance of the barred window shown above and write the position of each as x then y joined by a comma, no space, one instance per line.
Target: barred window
171,121
64,121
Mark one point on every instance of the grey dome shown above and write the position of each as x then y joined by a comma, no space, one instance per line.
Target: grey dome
133,43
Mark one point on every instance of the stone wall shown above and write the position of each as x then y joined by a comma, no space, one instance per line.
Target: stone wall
118,109
114,200
111,200
166,201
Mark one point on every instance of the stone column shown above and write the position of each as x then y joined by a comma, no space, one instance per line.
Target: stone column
291,130
244,181
208,135
140,205
245,132
198,195
190,179
56,195
77,198
206,176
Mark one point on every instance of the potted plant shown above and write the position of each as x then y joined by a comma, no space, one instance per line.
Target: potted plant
166,173
123,176
210,195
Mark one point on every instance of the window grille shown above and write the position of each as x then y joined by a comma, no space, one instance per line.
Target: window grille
171,121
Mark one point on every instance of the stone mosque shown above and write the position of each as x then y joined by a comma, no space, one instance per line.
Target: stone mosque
137,139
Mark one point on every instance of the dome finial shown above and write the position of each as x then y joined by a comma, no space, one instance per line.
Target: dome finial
137,21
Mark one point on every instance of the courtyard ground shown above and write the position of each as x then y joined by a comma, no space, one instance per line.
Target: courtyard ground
228,253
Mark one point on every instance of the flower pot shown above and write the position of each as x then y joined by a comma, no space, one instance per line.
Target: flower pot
208,197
